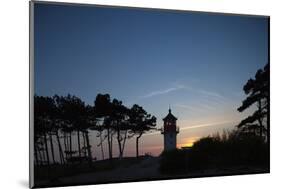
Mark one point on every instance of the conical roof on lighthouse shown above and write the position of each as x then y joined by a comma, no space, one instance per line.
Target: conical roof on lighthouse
170,116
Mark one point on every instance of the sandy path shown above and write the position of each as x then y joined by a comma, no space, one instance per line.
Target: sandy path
146,169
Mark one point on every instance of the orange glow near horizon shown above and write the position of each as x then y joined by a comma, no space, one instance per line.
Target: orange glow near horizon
188,142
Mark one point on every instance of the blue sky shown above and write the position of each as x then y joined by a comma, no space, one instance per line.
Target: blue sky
196,62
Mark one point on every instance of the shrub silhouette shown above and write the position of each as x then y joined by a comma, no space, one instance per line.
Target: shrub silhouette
226,151
233,149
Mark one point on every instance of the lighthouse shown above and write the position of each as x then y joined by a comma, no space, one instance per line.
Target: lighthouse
170,131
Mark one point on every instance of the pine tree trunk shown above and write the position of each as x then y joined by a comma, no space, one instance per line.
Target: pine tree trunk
124,141
260,118
70,145
52,148
137,147
109,144
46,149
88,147
65,145
60,148
78,140
84,144
101,145
137,144
119,144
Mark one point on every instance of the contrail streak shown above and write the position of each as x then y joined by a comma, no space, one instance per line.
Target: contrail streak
196,126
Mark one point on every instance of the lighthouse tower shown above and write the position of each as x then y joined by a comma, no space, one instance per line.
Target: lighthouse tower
170,131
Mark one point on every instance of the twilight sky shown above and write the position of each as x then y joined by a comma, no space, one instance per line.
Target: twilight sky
196,62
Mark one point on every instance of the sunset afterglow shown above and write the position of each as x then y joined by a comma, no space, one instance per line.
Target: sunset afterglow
153,59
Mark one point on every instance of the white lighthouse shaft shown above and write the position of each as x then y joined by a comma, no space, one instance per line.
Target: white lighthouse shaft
170,141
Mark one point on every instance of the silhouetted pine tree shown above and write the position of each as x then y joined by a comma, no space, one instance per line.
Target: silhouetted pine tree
103,110
257,91
140,122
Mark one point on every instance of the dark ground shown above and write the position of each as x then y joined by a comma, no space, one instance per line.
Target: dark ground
145,168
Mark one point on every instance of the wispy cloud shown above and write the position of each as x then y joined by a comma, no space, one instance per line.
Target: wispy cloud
180,86
207,100
210,93
198,106
197,126
162,92
206,125
184,106
211,98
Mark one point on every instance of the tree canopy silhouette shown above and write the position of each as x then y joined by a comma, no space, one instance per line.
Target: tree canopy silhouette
60,118
257,91
140,122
